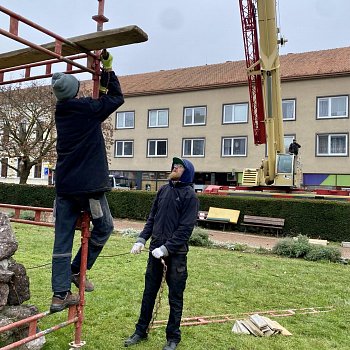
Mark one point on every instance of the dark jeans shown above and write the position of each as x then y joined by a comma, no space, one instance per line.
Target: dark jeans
176,279
67,211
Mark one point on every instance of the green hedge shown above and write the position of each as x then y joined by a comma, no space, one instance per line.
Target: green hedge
31,195
313,218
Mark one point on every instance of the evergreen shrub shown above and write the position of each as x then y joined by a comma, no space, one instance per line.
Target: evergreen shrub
301,248
199,238
322,219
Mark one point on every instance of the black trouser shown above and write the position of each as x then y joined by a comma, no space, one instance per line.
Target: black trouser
176,280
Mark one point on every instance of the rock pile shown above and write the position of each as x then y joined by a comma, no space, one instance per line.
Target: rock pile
14,290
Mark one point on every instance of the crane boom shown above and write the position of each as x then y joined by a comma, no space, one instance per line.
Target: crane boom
252,57
264,81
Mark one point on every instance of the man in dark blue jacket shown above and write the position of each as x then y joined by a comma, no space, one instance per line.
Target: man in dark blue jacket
169,225
81,176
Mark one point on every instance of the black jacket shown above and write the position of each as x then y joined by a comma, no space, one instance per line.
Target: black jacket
82,166
172,217
294,148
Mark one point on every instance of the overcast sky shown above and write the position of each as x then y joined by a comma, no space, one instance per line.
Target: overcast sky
182,33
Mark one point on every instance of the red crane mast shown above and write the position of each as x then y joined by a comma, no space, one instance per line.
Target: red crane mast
251,48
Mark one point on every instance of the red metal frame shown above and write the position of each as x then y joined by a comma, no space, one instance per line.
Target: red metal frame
204,320
251,47
76,313
85,235
56,55
37,214
100,19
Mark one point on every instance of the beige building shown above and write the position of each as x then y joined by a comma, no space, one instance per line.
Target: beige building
202,113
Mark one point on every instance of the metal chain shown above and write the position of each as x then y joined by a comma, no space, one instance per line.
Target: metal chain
159,297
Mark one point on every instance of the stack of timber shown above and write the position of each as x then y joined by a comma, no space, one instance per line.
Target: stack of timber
259,326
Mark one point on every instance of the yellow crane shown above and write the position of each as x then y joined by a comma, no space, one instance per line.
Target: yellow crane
261,43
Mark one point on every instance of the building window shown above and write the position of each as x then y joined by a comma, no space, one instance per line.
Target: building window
288,109
234,147
125,120
193,148
235,113
37,170
332,145
195,115
332,107
124,149
158,118
4,167
157,148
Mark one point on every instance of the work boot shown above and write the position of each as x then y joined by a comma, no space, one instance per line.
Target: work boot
134,339
59,303
89,286
170,345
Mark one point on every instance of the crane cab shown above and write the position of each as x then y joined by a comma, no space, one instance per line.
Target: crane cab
287,171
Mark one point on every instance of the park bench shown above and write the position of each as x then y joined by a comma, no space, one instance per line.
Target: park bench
218,216
265,222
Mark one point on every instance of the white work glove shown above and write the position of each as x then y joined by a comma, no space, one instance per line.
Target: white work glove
157,253
137,247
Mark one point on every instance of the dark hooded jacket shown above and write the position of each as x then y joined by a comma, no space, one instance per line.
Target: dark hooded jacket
173,214
82,166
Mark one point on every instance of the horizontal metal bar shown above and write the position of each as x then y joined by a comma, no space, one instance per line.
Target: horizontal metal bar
24,321
42,63
25,207
39,334
44,30
42,76
48,52
32,222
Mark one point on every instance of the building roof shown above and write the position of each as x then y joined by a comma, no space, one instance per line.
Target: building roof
294,66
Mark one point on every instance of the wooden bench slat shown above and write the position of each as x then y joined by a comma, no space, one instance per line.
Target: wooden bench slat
267,226
263,221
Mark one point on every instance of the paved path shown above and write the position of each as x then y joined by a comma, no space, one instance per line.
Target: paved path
230,237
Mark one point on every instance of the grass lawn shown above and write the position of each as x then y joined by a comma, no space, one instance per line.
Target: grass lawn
220,282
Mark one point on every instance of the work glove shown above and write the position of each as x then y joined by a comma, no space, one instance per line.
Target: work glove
106,60
137,247
157,253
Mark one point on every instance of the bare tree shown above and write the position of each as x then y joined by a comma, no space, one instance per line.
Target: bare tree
27,126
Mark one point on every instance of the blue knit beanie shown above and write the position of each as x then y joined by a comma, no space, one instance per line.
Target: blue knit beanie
65,86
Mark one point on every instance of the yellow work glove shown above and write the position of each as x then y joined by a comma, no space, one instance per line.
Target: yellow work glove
106,60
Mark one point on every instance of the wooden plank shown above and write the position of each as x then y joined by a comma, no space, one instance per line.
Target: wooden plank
263,220
92,41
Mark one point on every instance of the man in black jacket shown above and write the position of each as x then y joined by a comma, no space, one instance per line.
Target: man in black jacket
294,147
81,176
169,225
